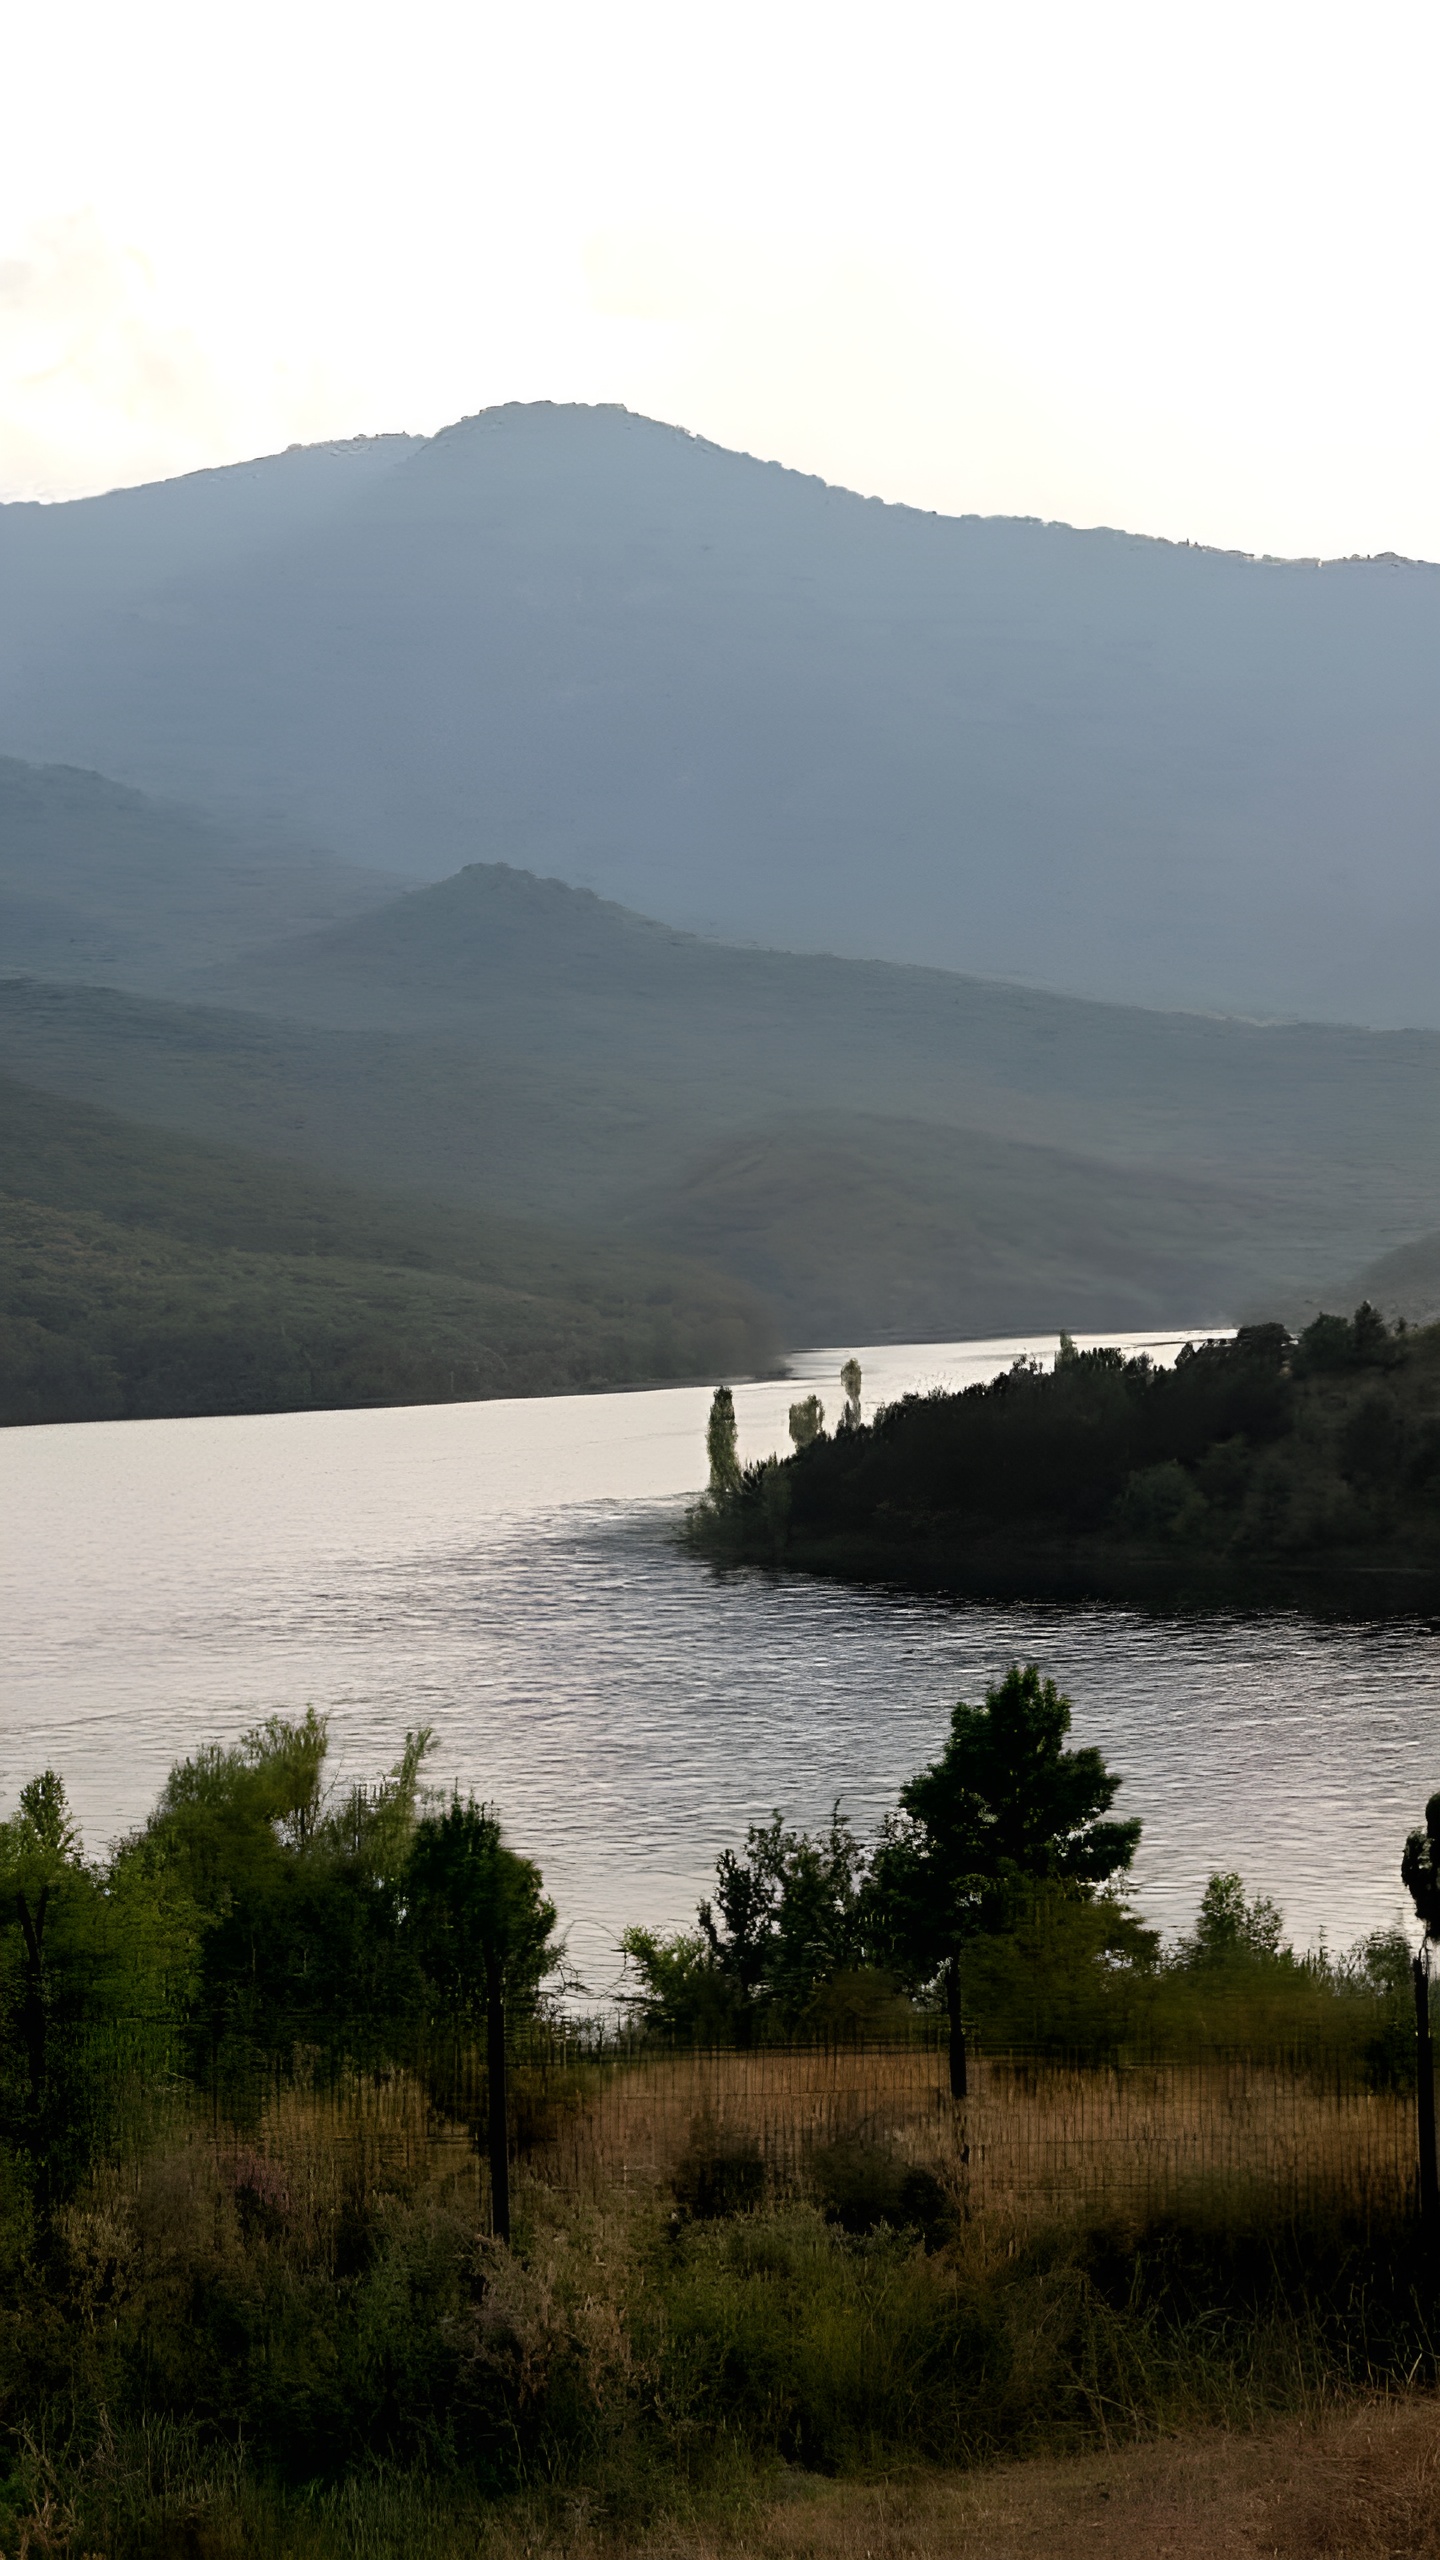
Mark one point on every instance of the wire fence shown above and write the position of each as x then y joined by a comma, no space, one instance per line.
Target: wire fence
1032,2137
1236,2139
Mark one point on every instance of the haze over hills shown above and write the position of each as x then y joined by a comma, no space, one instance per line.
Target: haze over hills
143,1274
587,644
877,1150
1341,1124
102,883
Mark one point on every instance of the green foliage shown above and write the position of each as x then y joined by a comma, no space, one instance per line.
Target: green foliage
477,1917
1006,1805
675,1989
1420,1870
96,1968
807,1421
216,2333
1229,1930
781,1948
720,1445
143,1274
300,1895
786,1917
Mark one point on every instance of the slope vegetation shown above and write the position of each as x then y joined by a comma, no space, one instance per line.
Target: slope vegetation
883,1151
97,882
862,1226
142,1274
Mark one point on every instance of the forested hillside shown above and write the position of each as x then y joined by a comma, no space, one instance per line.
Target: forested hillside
881,1152
1257,1468
142,1274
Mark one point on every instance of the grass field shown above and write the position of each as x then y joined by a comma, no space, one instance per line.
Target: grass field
783,2303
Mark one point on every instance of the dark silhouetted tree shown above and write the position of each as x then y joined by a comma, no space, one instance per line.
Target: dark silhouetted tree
1005,1804
807,1421
483,1932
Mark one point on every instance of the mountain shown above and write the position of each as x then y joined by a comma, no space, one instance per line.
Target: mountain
855,1229
143,1274
880,1152
1404,1282
740,700
100,882
1333,1132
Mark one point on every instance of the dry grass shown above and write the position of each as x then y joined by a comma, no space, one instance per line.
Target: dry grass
1025,2145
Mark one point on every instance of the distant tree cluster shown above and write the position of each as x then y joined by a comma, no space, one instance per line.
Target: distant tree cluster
1260,1449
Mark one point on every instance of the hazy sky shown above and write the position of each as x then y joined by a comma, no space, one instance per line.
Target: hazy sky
1172,267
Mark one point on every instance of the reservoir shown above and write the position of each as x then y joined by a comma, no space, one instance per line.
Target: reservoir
507,1574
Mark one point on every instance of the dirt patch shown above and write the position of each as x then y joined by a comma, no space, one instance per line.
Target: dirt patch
1362,2487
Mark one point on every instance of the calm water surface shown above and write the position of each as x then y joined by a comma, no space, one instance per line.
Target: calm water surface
506,1573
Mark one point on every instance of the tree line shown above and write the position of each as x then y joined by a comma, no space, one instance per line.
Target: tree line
262,1920
256,1917
1255,1456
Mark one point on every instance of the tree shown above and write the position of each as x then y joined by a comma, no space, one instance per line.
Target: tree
721,1445
807,1421
96,1967
786,1917
483,1934
298,1892
1230,1931
1420,1871
850,1380
786,1920
1005,1804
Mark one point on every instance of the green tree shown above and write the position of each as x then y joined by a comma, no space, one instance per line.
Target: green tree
298,1892
483,1932
721,1445
1229,1930
786,1921
96,1969
807,1421
786,1916
675,1989
850,1381
1420,1871
1005,1804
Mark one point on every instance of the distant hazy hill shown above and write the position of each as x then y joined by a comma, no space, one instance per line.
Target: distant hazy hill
855,1229
141,1273
1336,1128
848,1223
97,881
739,699
1404,1283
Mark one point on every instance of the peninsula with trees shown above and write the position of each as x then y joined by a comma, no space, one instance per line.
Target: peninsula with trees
1263,1469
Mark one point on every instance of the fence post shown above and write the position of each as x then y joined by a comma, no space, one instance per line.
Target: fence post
959,2074
1425,2100
497,2104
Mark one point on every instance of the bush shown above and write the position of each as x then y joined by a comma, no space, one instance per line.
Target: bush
722,2173
862,2183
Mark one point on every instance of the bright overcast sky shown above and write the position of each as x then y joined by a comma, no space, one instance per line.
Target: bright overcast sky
1121,261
